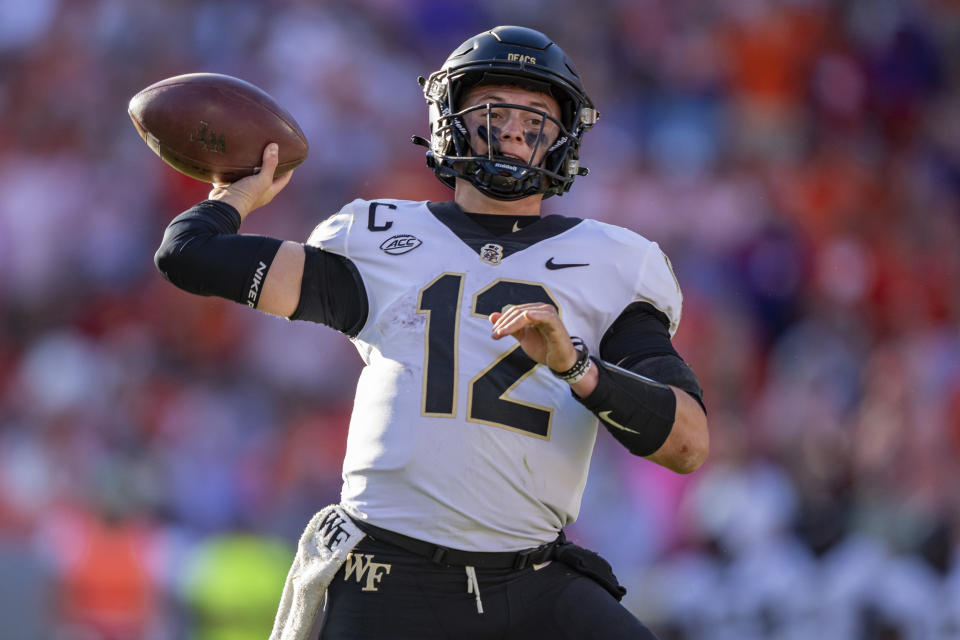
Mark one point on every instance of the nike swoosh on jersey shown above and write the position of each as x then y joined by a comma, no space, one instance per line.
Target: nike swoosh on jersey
554,265
516,226
605,416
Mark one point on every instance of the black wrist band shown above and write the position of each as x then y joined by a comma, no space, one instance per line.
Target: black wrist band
580,368
637,411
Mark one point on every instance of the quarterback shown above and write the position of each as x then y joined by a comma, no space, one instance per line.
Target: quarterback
495,340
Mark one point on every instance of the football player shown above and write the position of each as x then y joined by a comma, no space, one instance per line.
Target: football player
494,341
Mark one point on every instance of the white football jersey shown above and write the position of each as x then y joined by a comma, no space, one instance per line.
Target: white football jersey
457,438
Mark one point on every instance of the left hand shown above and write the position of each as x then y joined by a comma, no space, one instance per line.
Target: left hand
538,329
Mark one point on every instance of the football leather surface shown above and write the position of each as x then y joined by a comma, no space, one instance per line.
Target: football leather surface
214,127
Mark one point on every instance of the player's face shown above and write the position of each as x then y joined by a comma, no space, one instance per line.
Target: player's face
518,133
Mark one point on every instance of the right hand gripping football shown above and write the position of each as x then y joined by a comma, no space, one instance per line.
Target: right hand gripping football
254,191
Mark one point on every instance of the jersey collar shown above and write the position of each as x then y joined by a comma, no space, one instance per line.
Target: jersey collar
475,236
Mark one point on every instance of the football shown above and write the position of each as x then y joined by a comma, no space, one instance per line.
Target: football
214,127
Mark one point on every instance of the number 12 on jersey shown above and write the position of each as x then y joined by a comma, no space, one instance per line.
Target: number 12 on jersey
487,401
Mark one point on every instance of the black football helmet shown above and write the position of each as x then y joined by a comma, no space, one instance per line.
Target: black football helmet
514,56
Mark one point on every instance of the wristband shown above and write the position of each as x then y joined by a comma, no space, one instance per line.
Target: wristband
579,370
637,411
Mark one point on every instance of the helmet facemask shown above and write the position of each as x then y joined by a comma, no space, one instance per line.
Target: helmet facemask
473,138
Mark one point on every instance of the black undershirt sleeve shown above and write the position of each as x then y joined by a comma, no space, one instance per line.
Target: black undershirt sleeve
639,341
332,292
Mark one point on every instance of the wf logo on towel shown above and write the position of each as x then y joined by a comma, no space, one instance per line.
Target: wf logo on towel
332,530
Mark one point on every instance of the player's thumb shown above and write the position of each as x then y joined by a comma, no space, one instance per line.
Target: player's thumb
271,157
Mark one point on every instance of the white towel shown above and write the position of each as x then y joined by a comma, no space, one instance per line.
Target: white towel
323,548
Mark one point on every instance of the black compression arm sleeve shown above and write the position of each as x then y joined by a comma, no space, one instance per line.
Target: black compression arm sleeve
637,411
632,397
202,253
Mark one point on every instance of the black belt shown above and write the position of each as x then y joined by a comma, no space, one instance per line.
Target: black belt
515,560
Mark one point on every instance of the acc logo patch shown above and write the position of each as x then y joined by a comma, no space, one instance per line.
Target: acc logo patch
396,245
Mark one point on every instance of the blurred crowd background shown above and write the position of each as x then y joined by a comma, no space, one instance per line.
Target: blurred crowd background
799,161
